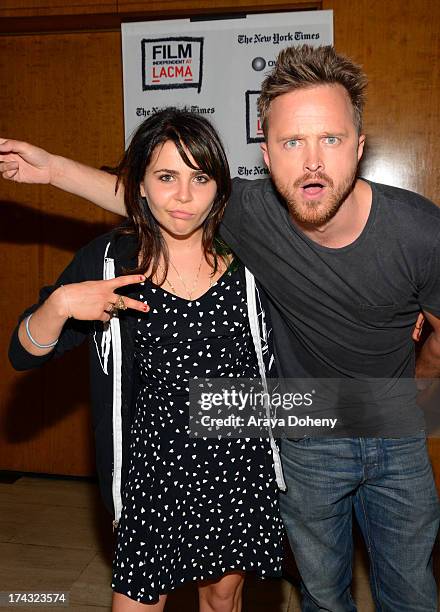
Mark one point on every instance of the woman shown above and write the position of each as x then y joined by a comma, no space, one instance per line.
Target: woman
186,509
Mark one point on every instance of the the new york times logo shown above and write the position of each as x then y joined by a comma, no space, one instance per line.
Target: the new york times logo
172,63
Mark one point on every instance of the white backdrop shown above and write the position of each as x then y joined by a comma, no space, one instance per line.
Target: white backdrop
214,68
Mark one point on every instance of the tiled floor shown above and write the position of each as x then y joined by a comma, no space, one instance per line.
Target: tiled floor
55,536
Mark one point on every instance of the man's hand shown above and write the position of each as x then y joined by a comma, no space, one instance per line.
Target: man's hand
417,331
428,362
22,162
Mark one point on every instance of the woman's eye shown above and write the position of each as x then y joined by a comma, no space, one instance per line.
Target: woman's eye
202,178
166,178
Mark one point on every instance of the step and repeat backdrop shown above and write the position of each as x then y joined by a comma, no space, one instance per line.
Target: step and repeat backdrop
214,68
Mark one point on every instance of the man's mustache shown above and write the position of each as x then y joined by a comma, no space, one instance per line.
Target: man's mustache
314,177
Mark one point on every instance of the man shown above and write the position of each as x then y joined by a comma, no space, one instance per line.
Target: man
347,265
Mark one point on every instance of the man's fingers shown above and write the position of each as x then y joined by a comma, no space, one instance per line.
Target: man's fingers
7,163
12,146
6,145
129,279
8,169
417,331
7,156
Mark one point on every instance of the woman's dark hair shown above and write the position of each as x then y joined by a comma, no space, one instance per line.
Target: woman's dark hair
190,133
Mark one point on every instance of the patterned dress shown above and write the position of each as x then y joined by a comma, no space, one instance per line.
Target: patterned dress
194,508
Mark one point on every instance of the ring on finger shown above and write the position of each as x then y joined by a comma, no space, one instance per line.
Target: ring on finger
120,304
111,308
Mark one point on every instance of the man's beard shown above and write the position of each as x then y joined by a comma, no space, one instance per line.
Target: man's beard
316,212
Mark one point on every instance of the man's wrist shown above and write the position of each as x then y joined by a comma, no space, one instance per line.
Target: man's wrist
57,170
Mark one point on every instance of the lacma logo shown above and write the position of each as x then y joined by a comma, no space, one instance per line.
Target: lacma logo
172,63
254,128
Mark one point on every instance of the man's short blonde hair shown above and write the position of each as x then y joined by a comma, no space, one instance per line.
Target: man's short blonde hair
305,66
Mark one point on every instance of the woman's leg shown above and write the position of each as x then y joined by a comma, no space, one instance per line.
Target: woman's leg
223,595
122,603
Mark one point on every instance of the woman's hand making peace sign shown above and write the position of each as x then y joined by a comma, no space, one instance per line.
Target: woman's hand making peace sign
86,301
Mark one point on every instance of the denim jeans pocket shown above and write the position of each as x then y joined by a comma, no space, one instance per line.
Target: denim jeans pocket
409,443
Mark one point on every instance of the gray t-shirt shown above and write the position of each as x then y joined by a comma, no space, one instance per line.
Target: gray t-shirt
341,312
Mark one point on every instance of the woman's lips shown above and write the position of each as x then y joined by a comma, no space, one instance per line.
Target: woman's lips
180,214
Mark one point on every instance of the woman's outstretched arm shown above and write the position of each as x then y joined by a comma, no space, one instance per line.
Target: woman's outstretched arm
24,163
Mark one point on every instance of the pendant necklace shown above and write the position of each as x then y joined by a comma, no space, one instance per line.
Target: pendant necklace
188,291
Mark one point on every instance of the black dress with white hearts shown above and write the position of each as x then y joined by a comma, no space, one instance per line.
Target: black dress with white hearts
193,508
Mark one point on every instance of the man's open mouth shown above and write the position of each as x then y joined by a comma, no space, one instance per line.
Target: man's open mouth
313,188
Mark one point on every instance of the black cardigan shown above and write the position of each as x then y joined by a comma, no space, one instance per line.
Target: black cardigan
88,265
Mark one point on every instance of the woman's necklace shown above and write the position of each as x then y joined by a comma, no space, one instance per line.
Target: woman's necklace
196,280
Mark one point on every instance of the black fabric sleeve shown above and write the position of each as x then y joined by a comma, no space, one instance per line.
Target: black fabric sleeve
21,359
231,223
429,292
73,333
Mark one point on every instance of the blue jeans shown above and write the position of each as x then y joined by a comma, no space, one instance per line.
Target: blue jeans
389,483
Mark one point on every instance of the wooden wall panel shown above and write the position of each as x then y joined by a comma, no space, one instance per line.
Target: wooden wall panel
38,8
398,45
64,91
201,6
78,15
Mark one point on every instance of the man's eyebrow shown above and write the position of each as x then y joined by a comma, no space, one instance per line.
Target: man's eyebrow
290,137
337,133
334,133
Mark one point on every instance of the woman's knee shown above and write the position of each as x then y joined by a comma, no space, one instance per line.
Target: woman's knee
223,595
